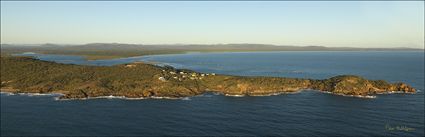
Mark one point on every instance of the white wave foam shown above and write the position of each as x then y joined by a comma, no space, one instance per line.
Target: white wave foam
265,95
7,93
43,94
158,97
276,93
392,92
108,97
234,95
135,98
398,92
362,96
358,96
99,97
32,94
123,97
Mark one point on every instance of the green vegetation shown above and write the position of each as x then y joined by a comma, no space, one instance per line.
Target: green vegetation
135,80
30,75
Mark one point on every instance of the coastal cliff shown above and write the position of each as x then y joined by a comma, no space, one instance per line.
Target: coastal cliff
141,80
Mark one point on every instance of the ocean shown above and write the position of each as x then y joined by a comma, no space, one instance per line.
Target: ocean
307,113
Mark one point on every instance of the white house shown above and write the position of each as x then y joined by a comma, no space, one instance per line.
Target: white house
162,79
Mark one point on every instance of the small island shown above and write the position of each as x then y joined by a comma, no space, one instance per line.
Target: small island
144,80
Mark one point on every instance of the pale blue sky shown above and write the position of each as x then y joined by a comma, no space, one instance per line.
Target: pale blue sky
343,23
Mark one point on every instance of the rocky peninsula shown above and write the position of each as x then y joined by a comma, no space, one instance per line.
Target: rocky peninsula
142,80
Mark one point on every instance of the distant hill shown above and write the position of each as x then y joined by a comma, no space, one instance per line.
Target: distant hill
121,46
113,50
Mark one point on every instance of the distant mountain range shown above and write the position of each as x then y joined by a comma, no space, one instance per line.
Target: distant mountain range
197,47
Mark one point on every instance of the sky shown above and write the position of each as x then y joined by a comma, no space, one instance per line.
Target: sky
304,23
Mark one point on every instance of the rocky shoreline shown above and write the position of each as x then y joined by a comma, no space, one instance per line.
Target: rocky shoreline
58,95
143,80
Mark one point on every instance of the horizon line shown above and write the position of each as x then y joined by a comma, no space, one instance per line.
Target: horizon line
187,44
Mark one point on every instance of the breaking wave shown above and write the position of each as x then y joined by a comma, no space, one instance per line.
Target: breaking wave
31,94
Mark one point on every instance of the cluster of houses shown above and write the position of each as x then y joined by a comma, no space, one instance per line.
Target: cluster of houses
183,75
130,65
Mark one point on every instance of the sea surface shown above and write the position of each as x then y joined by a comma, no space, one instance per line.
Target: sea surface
307,113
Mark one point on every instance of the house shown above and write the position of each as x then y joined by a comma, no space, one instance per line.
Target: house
130,65
162,79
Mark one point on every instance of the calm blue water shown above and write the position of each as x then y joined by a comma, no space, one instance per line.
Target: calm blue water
303,114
